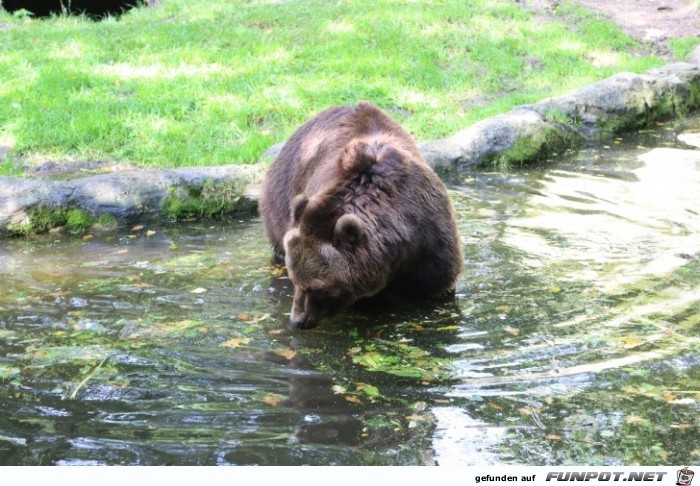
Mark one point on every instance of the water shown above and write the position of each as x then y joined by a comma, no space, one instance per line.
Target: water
573,338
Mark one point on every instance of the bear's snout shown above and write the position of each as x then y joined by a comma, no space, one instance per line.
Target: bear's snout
300,321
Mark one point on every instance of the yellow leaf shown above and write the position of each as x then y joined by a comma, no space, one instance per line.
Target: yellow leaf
554,289
631,342
60,293
198,290
503,308
682,426
635,420
285,353
684,401
235,342
668,397
526,410
137,228
122,251
255,320
272,399
150,233
87,237
553,437
417,418
511,330
140,285
447,328
352,399
495,406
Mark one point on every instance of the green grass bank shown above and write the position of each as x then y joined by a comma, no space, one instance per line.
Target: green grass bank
198,83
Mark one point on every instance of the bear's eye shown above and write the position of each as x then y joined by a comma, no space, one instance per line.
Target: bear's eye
324,293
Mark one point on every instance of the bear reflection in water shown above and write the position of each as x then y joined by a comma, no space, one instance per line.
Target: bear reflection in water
355,211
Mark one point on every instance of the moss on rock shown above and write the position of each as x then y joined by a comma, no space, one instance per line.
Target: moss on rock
79,221
212,199
538,145
43,219
106,222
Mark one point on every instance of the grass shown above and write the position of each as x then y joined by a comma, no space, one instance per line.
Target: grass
197,82
682,47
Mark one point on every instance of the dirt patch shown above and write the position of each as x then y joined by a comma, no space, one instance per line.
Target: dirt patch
652,22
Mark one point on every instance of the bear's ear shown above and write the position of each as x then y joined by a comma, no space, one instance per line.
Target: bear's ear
298,205
349,231
357,157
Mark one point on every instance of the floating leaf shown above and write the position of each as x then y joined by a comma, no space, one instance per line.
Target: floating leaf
683,401
417,418
339,389
511,330
553,437
636,420
198,290
369,390
140,285
235,342
448,328
150,233
273,399
61,293
682,426
632,342
285,353
526,410
255,320
137,228
554,290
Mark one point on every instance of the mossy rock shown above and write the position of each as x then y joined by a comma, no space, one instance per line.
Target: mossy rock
212,199
43,219
78,221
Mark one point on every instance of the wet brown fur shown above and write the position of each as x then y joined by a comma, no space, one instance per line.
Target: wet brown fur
400,235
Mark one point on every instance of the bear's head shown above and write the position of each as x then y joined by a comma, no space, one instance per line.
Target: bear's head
319,263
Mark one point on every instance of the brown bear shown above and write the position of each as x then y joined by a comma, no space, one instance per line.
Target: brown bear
355,210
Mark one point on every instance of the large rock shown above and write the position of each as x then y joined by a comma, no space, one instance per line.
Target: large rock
129,196
519,135
621,102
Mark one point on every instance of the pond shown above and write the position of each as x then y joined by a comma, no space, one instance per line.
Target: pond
573,337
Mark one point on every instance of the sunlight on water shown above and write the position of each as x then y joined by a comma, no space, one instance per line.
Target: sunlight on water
617,230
